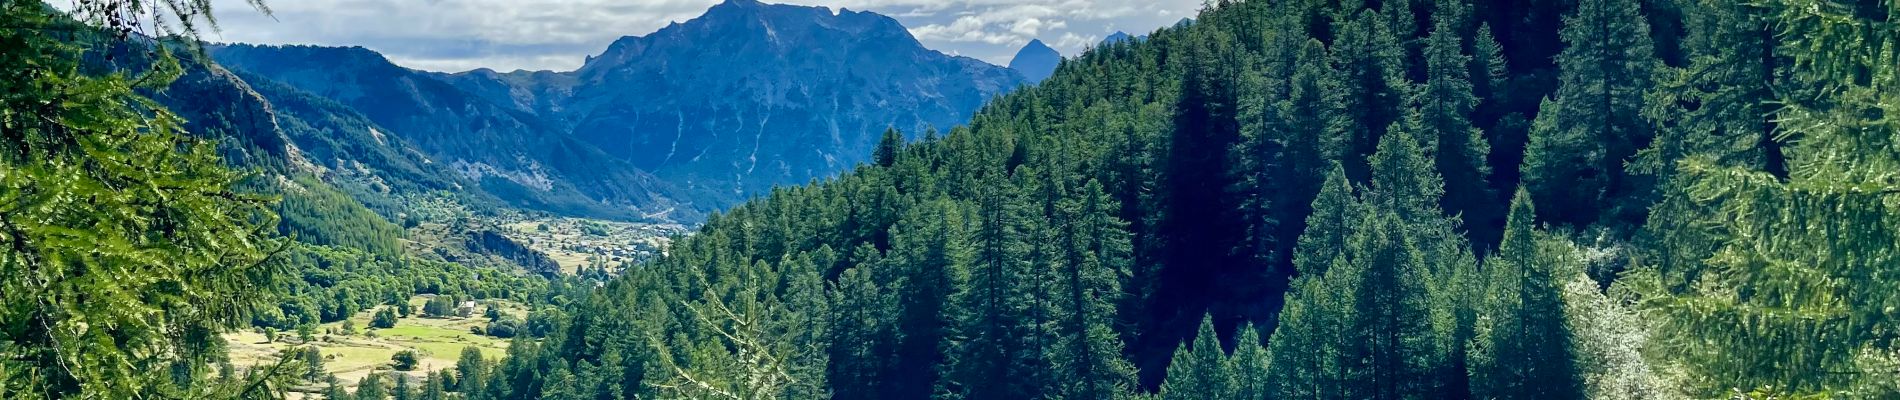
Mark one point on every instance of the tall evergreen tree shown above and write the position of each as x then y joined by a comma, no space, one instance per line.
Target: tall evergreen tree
1390,342
1307,347
1200,370
1369,62
1585,133
991,331
371,388
1524,348
1404,182
1315,134
1251,364
862,336
931,252
1088,354
1793,300
126,245
471,371
1443,118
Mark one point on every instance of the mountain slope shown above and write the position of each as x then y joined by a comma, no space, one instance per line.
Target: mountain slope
1036,61
509,153
751,95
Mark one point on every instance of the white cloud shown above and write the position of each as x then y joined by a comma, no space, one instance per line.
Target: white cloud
559,34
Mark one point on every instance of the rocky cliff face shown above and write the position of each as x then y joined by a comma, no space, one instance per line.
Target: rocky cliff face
751,95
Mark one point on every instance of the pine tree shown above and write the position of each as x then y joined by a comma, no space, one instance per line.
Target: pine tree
888,145
128,245
432,388
1200,370
335,390
1329,228
858,343
1524,347
1585,133
1307,348
403,391
1404,181
805,320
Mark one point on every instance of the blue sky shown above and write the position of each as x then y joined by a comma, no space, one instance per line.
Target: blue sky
459,35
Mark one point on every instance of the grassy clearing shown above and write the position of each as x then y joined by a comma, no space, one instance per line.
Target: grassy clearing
353,356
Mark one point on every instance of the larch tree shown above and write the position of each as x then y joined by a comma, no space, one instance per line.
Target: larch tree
1524,345
1797,299
1200,370
1594,123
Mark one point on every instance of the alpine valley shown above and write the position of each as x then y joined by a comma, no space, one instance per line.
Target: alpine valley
669,126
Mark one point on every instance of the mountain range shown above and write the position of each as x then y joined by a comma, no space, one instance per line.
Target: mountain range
672,125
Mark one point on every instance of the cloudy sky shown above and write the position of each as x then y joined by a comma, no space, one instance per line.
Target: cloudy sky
458,35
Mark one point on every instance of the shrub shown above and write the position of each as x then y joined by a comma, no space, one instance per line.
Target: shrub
404,360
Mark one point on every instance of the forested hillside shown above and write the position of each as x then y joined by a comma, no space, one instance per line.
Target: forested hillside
1592,199
1397,199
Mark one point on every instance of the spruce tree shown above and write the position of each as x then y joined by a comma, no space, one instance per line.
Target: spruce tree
1524,346
403,390
1308,350
471,371
1329,227
1585,133
862,334
1404,181
432,388
1307,346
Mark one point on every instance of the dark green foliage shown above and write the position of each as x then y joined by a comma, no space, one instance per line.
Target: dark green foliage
385,318
1442,117
371,388
1594,124
1524,349
126,243
403,360
471,371
1200,369
1319,171
440,306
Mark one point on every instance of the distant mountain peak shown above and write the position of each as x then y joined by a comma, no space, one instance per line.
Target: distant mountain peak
1117,37
1036,61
